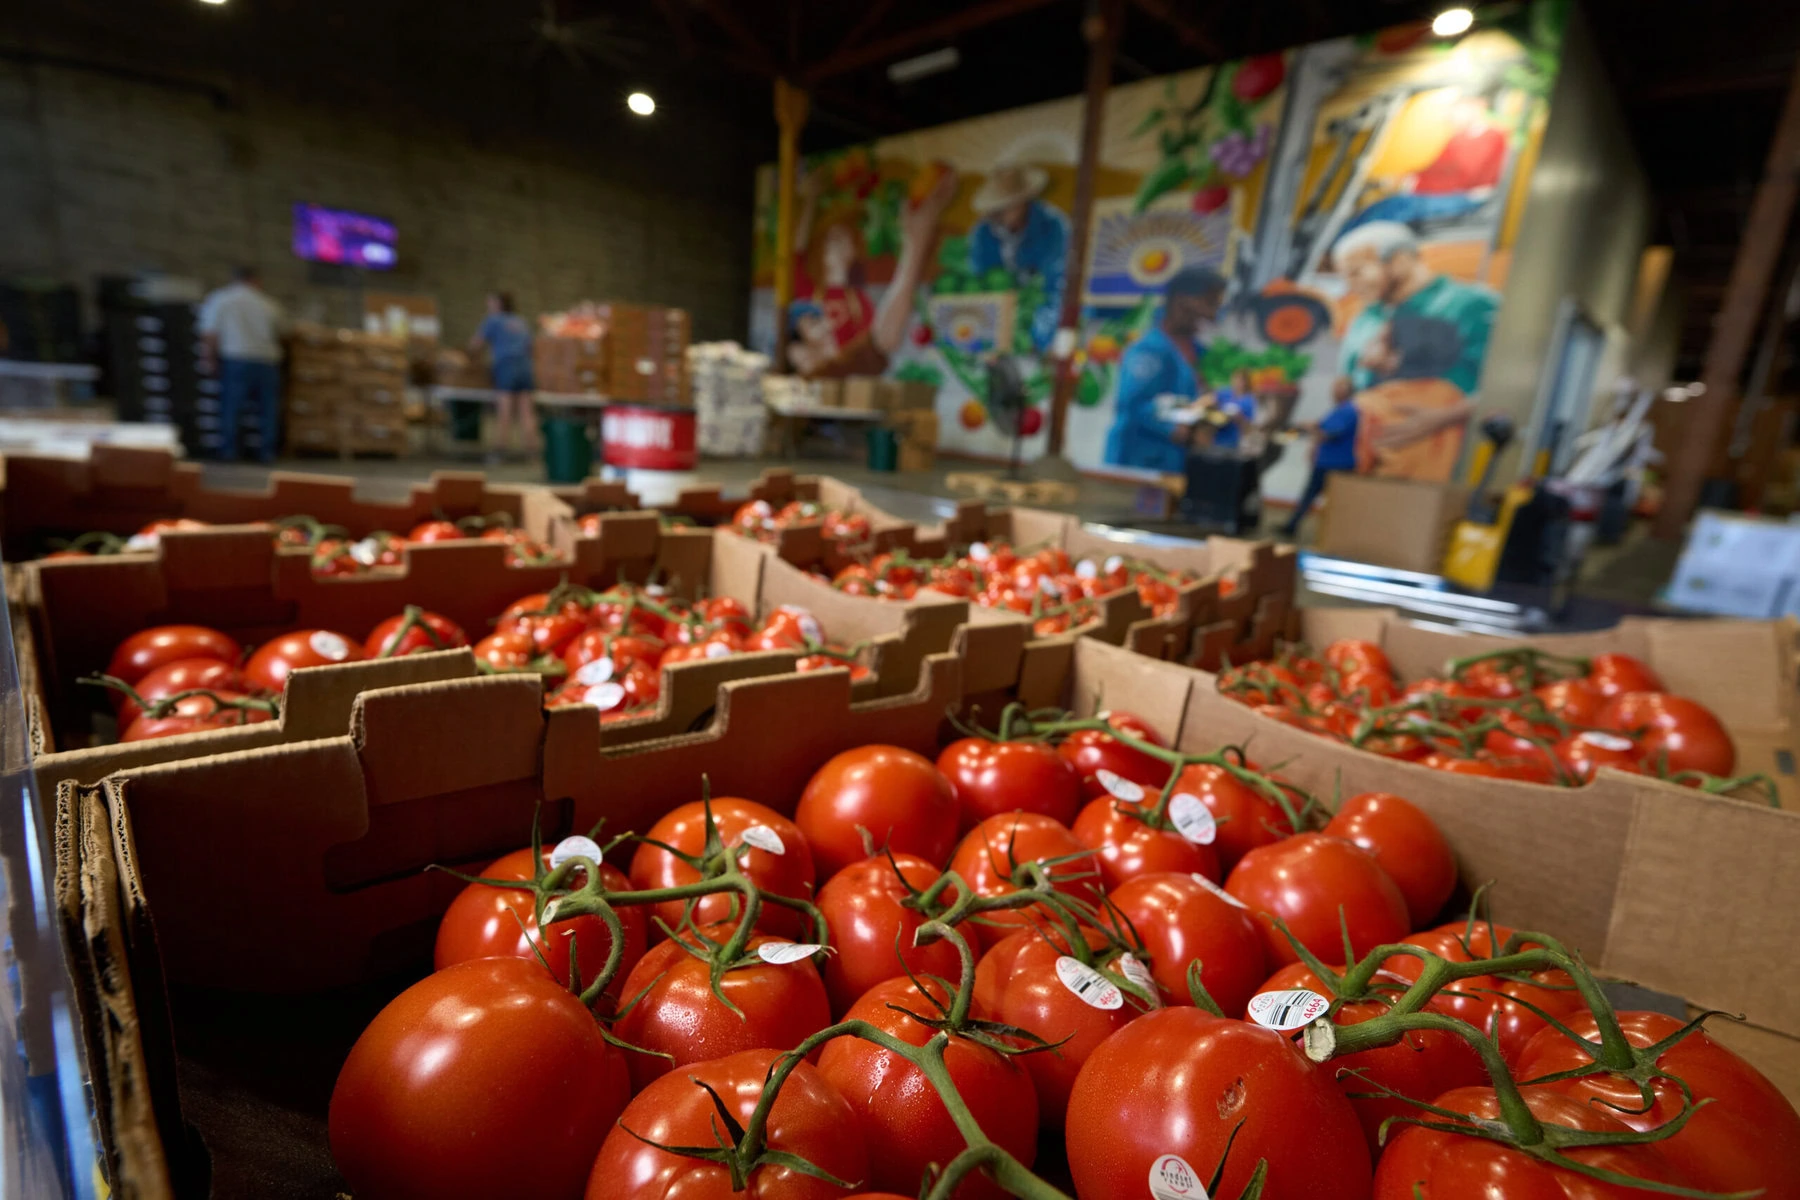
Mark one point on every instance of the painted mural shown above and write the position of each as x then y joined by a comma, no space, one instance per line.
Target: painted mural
1314,241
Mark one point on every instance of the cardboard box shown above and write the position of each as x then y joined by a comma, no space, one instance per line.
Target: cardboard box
916,456
862,393
830,393
1390,522
317,400
322,433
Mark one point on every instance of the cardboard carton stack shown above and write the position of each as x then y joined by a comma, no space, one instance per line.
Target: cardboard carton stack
648,346
910,405
458,369
571,365
346,391
727,392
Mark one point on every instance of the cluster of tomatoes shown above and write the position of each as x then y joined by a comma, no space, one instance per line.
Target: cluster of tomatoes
764,522
606,649
1177,968
1511,714
1045,584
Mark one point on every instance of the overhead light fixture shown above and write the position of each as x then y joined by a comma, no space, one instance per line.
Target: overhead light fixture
1696,389
1452,21
214,3
640,103
907,70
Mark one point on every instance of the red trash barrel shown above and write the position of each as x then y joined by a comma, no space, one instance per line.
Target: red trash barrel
649,437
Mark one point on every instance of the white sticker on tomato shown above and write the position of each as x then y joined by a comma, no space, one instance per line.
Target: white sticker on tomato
1172,1179
716,650
327,644
781,953
980,552
1287,1009
1192,819
1113,564
604,696
1133,968
1607,741
1085,569
1119,787
1216,890
596,672
574,847
764,839
809,624
142,541
655,591
367,552
1089,985
1049,586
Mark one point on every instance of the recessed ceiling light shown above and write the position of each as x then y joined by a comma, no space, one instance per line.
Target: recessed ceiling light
213,2
640,103
1452,21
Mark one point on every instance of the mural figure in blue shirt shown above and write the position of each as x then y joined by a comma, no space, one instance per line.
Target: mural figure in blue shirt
1165,361
1025,236
1334,451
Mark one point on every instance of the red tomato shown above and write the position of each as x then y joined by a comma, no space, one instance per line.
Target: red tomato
636,687
1681,733
550,633
1184,1083
1408,845
1434,1163
872,929
1126,847
1246,818
193,715
1000,777
280,657
507,650
1185,918
1352,654
1493,680
1488,1002
788,628
1586,752
182,675
989,853
489,922
436,531
904,1123
148,649
1025,982
893,796
808,1119
723,611
462,1071
1615,674
593,645
672,1007
429,632
1745,1137
1311,882
1090,751
788,872
1575,700
1517,767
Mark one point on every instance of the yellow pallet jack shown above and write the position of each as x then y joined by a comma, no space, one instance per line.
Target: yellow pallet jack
1473,558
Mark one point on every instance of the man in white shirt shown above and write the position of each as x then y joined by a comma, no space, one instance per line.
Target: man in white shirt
241,329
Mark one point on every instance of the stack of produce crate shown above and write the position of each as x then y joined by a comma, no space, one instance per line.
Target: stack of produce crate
648,353
727,396
346,392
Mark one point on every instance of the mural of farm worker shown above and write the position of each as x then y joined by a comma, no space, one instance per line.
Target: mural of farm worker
1455,183
828,267
1024,235
1413,355
813,349
1165,361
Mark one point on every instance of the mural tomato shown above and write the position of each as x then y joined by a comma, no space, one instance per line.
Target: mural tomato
1259,76
973,415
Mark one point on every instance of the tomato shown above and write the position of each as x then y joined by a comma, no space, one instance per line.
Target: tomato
279,657
436,531
1408,845
872,928
1677,732
1370,688
892,797
1246,818
671,1006
1574,700
1586,752
1439,1165
1182,1082
487,922
194,714
786,872
1319,886
1491,766
903,1121
429,632
725,611
1090,751
989,853
1615,674
182,675
1492,679
507,650
1126,847
1351,654
1021,982
593,645
1490,1003
486,1079
550,633
787,628
1421,1066
148,649
636,687
1184,918
999,777
1745,1136
808,1119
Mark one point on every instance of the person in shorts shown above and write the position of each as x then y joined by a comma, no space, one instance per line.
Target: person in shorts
507,337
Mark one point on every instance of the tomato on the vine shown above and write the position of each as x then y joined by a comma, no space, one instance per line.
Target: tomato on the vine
194,714
1182,919
1126,846
776,860
990,853
1615,674
1091,751
872,928
1408,845
1500,1006
428,631
876,797
1586,752
1246,817
1674,731
279,657
182,675
1325,889
990,778
148,649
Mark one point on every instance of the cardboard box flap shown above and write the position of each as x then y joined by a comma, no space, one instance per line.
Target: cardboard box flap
690,695
130,467
1742,670
224,556
425,739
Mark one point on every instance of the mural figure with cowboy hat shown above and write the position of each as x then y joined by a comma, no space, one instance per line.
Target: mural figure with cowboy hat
1021,233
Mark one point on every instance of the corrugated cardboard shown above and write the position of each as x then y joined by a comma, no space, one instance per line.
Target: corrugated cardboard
1390,522
862,393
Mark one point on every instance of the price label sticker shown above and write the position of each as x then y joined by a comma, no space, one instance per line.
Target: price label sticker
980,552
764,839
809,624
1113,564
1192,819
1049,586
1119,787
598,671
1133,968
576,846
366,551
604,696
1089,985
1287,1009
1218,891
1171,1178
327,644
781,953
1085,569
655,591
142,541
716,650
1607,741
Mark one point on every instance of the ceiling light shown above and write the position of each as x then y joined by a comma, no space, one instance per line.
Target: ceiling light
1696,389
640,103
1452,21
213,2
935,63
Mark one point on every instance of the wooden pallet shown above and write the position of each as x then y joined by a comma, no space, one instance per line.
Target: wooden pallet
983,485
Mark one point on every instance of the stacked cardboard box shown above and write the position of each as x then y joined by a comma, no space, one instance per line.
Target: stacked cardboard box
458,369
918,431
571,365
346,391
648,347
728,399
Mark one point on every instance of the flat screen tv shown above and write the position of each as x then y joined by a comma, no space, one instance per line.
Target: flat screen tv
331,235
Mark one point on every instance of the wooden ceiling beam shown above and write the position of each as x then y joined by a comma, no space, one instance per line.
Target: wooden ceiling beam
897,46
1185,28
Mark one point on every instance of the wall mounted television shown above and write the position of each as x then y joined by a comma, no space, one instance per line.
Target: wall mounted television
349,239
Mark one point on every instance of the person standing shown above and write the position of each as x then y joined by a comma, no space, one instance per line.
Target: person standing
240,332
507,337
1334,451
1164,362
1237,404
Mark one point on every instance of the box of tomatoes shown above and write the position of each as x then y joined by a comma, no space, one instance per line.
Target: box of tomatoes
338,1043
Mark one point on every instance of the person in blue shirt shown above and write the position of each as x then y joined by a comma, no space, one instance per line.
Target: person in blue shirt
1238,404
1163,362
1334,451
1024,235
507,337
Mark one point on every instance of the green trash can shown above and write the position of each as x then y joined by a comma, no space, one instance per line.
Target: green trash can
465,420
568,451
884,450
